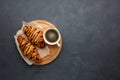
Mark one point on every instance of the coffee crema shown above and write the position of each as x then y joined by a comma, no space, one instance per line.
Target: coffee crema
52,35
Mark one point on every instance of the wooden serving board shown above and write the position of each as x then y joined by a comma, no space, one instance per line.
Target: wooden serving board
53,50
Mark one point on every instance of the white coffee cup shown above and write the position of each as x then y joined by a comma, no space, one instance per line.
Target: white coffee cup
52,36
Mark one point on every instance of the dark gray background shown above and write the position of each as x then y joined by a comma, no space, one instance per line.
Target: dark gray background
91,39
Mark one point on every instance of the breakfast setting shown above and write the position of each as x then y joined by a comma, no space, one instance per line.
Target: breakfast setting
39,42
60,39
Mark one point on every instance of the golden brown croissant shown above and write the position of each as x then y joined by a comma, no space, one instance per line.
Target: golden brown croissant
34,35
28,49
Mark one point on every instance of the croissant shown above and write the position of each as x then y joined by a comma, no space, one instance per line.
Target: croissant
28,49
34,35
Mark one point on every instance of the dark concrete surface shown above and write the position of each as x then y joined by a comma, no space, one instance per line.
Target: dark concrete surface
91,39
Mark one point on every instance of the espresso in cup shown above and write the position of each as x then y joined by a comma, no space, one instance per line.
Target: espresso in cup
52,36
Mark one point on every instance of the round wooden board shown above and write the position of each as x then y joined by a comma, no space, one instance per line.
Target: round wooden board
53,50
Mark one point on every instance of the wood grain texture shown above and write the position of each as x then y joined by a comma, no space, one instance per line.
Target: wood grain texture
53,50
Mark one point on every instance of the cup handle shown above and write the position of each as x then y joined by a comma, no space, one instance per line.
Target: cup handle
58,44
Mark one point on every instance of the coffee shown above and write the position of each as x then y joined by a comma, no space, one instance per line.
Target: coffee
52,35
